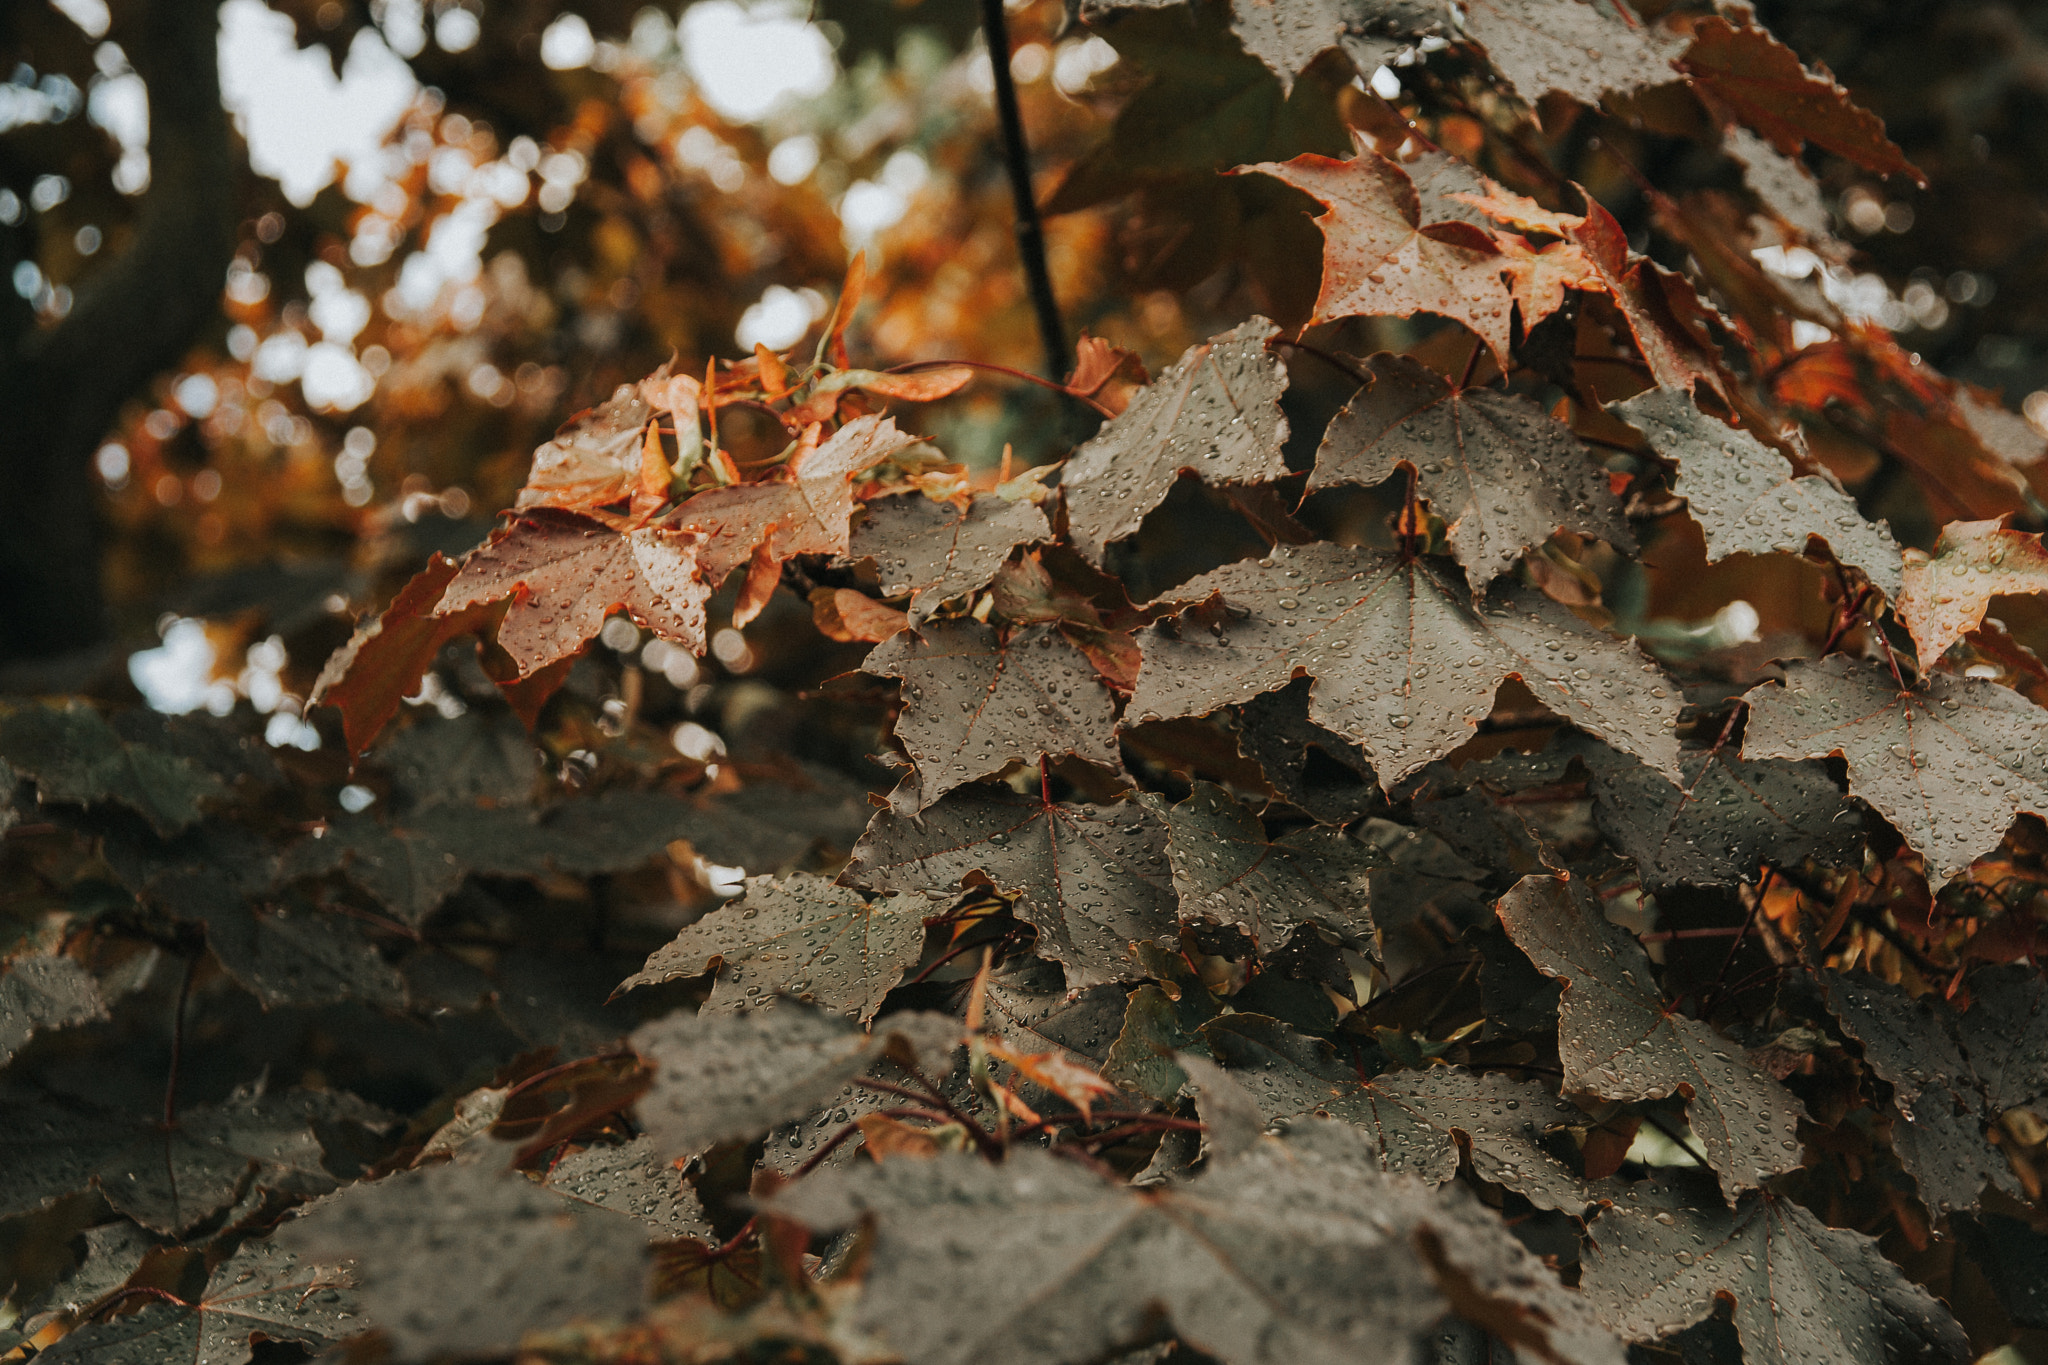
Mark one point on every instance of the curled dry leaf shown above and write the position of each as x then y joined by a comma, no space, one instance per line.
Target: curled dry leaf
595,460
843,614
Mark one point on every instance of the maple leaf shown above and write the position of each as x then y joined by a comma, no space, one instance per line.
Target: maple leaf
637,1179
1091,879
1730,818
506,1256
77,758
564,574
1403,662
1804,1293
1939,1106
1415,1118
262,1292
595,460
1227,871
976,701
1381,260
1944,596
1287,37
1105,375
1079,1085
1781,184
1296,1251
806,510
934,551
1757,79
1583,50
799,935
1320,772
1744,495
41,993
2006,1034
1027,1001
1215,413
168,1179
1617,1039
1949,764
1502,473
722,1078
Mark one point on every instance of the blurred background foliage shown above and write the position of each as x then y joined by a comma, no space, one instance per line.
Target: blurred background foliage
439,228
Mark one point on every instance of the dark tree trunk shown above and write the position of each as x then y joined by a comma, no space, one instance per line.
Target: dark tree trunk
62,388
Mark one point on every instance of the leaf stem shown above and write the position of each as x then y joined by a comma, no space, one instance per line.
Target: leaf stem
995,30
177,1045
983,1139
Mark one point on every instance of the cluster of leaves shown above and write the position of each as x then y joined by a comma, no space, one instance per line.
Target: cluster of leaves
1381,941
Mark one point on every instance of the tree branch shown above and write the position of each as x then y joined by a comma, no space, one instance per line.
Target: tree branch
995,29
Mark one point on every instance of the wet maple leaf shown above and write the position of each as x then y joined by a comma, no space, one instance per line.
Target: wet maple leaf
805,509
1804,1293
1745,497
1583,50
1619,1040
1730,818
261,1293
1381,260
1227,871
564,574
510,1256
1939,1104
1091,879
1757,79
1297,1250
77,758
1215,413
934,551
1404,664
43,992
724,1078
1413,1117
1949,764
1288,37
594,461
974,702
1944,597
1499,470
800,936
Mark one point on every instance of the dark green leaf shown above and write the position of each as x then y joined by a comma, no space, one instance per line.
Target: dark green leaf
76,758
41,993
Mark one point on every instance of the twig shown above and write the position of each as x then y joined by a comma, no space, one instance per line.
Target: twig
914,366
995,31
930,1094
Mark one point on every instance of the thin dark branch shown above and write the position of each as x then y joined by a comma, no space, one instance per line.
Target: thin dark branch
995,30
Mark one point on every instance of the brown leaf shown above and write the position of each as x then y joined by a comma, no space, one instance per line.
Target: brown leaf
1078,1085
1760,81
844,614
1215,413
887,1139
564,574
1502,472
1380,261
382,664
1944,597
1097,363
594,461
975,702
936,551
805,510
1578,49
